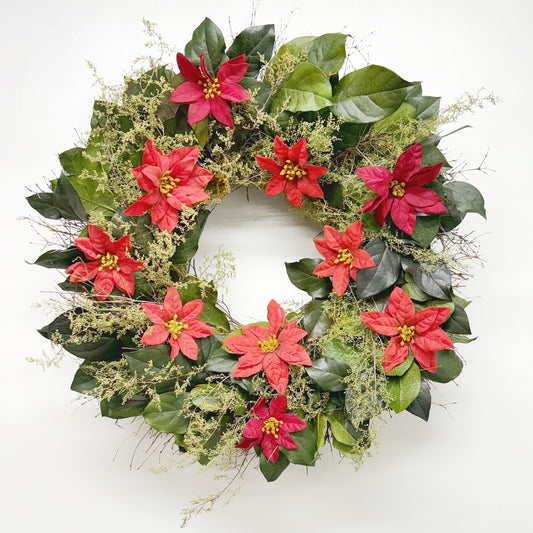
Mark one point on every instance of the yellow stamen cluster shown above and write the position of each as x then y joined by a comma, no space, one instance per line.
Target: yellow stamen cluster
292,171
271,426
397,188
108,261
344,256
167,183
269,345
175,327
407,334
211,88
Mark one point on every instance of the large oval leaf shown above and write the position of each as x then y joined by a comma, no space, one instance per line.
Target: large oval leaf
167,416
329,373
187,249
328,52
207,39
307,448
254,42
315,321
301,275
449,366
404,390
421,405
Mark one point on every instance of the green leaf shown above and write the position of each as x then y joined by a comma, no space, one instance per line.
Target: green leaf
201,130
403,367
71,161
426,229
104,349
404,389
369,94
465,197
214,316
306,89
216,357
58,258
449,366
320,433
349,135
272,471
208,397
372,281
301,275
114,408
296,48
261,90
306,451
66,196
315,321
207,39
254,42
334,194
426,107
437,283
149,357
328,373
168,418
413,291
460,339
83,382
422,403
94,201
328,52
338,429
43,203
431,155
187,249
336,349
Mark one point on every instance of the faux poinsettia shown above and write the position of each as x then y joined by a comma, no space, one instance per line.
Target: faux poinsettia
177,324
418,332
269,349
109,264
402,191
207,94
343,257
173,182
290,173
271,428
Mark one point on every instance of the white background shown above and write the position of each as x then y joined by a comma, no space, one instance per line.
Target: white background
468,469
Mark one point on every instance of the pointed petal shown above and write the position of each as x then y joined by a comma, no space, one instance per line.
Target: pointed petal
427,359
155,335
408,163
199,329
192,310
278,405
294,195
341,278
294,354
172,302
400,307
84,244
310,187
248,365
434,340
285,440
314,172
292,333
394,354
233,92
253,429
291,423
298,153
429,318
233,70
276,372
269,164
381,323
333,238
155,313
188,346
281,150
103,284
403,215
164,216
186,93
143,204
354,235
83,271
420,197
382,210
425,175
99,239
325,269
275,185
220,110
124,282
270,448
324,249
362,259
240,344
377,179
198,111
275,317
260,409
188,69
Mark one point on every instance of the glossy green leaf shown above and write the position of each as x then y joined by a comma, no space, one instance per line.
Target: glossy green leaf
338,429
254,42
260,90
403,367
306,451
66,196
426,229
271,471
295,47
328,373
215,356
83,382
150,357
187,249
437,283
315,320
431,155
168,418
94,201
328,52
115,408
449,366
421,405
306,89
207,39
372,281
334,194
349,135
201,130
426,107
403,390
43,203
301,275
214,317
58,258
336,349
319,428
71,161
369,94
104,349
465,197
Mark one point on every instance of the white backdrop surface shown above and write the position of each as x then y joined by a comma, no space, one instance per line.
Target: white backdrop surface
468,469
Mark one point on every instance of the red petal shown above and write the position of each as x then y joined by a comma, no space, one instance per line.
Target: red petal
403,215
362,259
270,448
260,409
276,372
269,164
240,343
426,359
434,340
275,185
182,160
420,197
325,269
314,172
377,179
425,175
172,302
188,346
155,335
124,282
294,354
354,235
155,313
275,317
248,444
408,163
128,265
174,348
188,69
253,429
199,329
429,318
258,332
381,323
99,239
382,210
248,365
298,153
333,238
83,271
192,310
394,354
400,307
294,195
233,92
164,216
187,92
291,423
310,187
120,247
324,249
286,441
198,111
103,284
341,278
220,110
233,70
281,150
84,244
143,204
278,405
292,333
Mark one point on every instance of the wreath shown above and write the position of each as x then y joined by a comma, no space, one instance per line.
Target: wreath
357,152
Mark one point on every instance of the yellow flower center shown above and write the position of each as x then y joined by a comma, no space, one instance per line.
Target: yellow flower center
269,345
407,334
344,256
108,261
175,327
211,87
271,426
292,171
167,183
397,188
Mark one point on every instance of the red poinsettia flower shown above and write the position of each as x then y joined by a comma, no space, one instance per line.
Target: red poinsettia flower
418,332
343,256
206,94
269,349
108,263
290,173
176,323
173,182
401,191
272,428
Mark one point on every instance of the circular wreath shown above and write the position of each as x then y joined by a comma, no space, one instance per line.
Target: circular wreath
357,153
